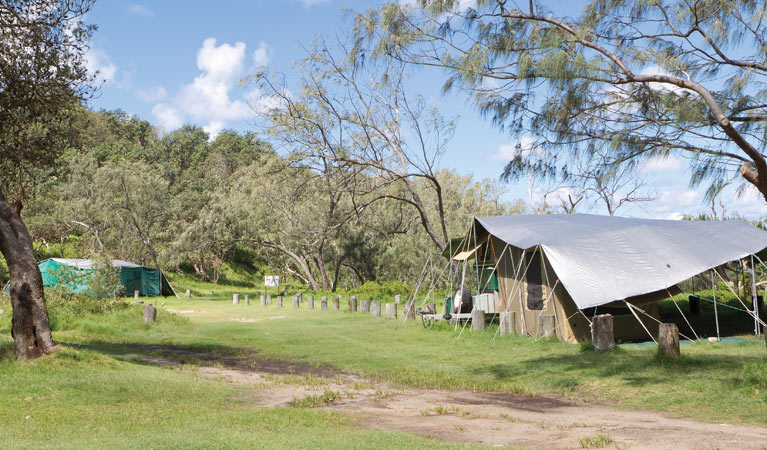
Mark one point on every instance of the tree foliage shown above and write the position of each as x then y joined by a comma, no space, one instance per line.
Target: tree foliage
632,80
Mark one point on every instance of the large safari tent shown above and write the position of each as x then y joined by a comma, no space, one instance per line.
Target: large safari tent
575,266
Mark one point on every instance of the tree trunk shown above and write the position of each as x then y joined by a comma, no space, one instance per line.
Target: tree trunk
31,329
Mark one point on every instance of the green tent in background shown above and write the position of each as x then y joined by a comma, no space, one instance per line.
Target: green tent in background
78,272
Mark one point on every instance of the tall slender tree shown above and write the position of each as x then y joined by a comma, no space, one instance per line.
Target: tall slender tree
42,80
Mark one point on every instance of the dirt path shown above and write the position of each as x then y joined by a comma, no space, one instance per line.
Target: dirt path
489,418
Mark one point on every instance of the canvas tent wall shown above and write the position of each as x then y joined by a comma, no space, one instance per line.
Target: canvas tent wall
77,273
573,266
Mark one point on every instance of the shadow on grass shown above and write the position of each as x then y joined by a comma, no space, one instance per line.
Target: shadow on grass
235,358
633,368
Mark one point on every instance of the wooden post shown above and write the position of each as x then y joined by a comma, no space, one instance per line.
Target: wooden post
352,304
410,310
235,299
546,325
364,306
668,339
477,319
391,310
336,304
263,300
324,303
397,298
310,302
150,313
247,299
295,302
135,295
602,333
188,293
269,298
507,323
279,301
375,308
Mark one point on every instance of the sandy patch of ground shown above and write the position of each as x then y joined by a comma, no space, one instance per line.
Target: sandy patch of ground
489,418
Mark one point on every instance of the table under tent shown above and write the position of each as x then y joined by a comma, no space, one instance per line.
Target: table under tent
555,272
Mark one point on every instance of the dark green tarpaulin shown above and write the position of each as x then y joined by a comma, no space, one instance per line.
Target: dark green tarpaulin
77,273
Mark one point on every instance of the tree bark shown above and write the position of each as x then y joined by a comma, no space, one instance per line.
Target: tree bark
30,328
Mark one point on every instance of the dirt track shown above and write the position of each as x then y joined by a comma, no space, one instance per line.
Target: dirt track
496,419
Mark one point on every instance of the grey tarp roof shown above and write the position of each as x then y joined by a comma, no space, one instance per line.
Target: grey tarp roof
88,263
600,259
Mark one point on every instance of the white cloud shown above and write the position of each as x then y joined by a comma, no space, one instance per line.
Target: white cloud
140,10
208,98
749,203
659,164
676,215
152,94
657,70
168,116
262,54
523,146
98,63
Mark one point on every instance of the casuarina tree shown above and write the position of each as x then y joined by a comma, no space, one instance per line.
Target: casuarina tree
632,80
43,80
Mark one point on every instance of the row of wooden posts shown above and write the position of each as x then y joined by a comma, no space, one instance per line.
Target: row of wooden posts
602,334
373,307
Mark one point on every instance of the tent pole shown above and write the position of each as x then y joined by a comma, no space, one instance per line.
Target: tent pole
753,297
716,313
751,313
476,255
631,308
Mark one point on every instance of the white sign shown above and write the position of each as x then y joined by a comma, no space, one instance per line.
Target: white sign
271,281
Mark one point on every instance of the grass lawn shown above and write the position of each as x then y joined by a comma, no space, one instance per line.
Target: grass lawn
87,395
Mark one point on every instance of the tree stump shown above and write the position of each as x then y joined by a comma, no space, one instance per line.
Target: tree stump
375,308
188,293
235,299
150,313
668,339
507,323
477,319
391,310
364,306
310,302
135,295
295,302
410,310
547,325
269,298
352,304
336,303
324,303
397,298
279,301
602,333
263,300
247,300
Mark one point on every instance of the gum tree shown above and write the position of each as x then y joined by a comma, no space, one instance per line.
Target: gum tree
42,80
629,79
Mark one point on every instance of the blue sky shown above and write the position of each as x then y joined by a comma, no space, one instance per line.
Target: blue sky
174,62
